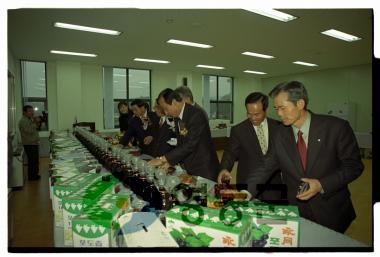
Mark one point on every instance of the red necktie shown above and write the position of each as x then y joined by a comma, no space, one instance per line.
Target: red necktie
302,149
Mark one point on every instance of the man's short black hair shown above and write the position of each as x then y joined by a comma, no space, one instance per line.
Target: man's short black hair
26,108
169,94
295,89
257,97
140,103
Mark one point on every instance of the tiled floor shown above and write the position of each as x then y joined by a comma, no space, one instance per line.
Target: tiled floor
32,215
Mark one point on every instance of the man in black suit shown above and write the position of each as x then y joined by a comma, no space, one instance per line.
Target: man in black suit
141,127
195,149
318,149
249,142
163,134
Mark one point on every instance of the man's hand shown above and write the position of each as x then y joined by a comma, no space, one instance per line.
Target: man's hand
224,175
158,161
148,140
315,188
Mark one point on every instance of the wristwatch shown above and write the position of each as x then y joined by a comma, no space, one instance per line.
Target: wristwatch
161,158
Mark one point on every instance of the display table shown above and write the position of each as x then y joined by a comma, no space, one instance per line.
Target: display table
311,235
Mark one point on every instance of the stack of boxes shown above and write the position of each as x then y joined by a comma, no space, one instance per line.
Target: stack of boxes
98,225
76,202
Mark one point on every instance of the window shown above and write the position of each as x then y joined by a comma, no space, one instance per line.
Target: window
33,76
122,84
220,97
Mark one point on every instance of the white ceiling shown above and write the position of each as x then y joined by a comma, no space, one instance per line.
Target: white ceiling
31,36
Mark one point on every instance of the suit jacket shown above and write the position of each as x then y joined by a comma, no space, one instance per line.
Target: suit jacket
136,130
124,121
200,107
161,136
333,157
243,145
195,149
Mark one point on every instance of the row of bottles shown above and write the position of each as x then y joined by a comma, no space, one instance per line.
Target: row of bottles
144,180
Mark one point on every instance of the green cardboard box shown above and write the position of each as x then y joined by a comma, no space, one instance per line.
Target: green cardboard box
272,225
196,226
77,202
98,225
65,188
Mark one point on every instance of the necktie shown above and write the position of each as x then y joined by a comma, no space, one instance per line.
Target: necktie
145,121
162,120
302,149
261,137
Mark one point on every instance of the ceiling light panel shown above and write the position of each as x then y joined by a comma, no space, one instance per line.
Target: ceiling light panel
258,55
210,67
187,43
150,60
72,53
305,63
274,14
340,35
255,72
85,28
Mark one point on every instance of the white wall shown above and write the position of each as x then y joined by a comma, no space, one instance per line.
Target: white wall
76,89
92,95
243,86
349,84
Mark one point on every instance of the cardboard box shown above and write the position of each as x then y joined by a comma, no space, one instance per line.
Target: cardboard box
196,226
65,188
98,225
78,201
272,225
137,227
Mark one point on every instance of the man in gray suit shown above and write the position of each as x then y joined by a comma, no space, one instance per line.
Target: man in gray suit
318,149
187,96
249,142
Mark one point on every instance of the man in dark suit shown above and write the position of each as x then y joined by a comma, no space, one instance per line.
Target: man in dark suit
318,149
163,134
141,127
195,149
249,142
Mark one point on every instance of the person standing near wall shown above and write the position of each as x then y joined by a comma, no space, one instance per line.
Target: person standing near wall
124,116
30,140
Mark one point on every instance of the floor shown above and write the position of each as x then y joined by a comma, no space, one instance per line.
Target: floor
31,216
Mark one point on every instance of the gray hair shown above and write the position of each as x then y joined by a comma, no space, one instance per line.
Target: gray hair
295,89
185,92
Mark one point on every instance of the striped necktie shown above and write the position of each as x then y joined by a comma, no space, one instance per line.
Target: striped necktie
261,137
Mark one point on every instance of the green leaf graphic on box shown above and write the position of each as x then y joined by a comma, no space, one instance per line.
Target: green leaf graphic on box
265,228
176,234
257,234
194,242
188,232
206,239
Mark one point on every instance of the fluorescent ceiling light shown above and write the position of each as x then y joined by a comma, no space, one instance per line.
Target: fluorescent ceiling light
340,35
277,15
255,72
72,53
84,28
150,60
305,63
186,43
258,55
209,67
